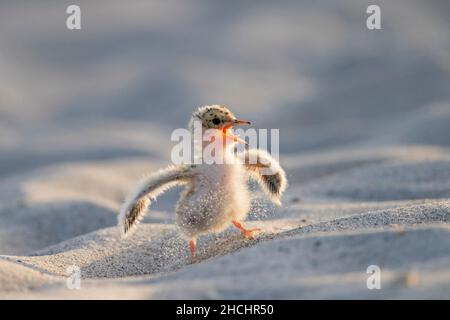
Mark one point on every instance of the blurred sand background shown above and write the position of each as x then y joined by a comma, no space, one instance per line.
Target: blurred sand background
364,119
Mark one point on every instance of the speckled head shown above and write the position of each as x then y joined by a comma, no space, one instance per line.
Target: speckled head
217,117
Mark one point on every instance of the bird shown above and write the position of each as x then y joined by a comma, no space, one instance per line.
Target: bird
216,195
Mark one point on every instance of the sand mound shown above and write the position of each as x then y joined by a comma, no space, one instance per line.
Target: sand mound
14,278
302,267
154,248
25,229
387,181
157,248
330,265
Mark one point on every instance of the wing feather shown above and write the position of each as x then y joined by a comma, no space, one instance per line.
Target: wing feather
267,172
134,208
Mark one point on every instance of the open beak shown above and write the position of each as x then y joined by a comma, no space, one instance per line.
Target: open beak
229,134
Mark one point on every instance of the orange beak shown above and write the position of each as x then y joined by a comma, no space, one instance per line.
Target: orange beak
237,123
229,134
241,122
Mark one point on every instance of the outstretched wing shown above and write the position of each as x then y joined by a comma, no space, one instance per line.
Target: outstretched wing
267,172
134,208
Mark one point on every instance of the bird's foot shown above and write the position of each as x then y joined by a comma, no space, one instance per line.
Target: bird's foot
247,233
192,248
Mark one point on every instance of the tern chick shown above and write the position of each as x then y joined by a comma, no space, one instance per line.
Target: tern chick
216,194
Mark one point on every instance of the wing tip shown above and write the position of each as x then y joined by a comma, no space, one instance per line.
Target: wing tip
275,185
131,215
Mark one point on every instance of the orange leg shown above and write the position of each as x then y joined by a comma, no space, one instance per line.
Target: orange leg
247,233
192,247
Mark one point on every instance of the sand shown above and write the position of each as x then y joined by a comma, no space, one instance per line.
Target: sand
364,121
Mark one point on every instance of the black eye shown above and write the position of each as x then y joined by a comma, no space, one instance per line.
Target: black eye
216,121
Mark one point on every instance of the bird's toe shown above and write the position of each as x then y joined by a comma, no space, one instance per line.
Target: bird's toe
250,233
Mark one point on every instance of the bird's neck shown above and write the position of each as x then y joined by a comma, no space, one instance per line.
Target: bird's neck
216,147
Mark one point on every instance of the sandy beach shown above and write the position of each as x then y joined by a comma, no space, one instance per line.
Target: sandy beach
364,119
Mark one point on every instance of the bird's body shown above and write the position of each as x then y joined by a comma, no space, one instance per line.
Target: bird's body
216,194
